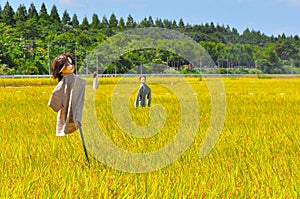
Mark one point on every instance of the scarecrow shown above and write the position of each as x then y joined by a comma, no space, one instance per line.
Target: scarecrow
67,98
143,94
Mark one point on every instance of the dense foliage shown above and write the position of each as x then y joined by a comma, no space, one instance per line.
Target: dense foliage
30,39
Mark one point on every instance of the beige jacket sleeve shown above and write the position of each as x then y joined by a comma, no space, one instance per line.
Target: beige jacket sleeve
57,97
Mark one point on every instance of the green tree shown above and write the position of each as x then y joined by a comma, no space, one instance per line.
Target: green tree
104,22
29,29
43,14
249,56
6,61
231,37
32,12
288,49
21,13
84,40
174,25
121,23
167,23
159,23
143,23
7,14
95,21
75,22
65,42
85,24
0,13
150,22
130,22
221,54
273,58
54,16
113,22
181,23
66,20
210,47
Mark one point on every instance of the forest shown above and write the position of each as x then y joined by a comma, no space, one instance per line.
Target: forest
31,38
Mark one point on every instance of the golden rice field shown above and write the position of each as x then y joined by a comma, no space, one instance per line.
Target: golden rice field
256,156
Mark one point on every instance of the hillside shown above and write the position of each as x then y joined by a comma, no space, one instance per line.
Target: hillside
31,38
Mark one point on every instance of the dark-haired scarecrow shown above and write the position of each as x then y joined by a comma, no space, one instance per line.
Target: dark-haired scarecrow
144,94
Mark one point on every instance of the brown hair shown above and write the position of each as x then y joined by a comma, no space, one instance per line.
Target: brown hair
58,63
95,74
141,77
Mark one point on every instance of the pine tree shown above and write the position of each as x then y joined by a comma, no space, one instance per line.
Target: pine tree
54,16
21,13
129,22
143,23
95,21
7,14
174,24
85,24
180,24
0,13
104,22
75,22
158,23
32,12
121,23
113,22
150,22
65,18
167,23
43,14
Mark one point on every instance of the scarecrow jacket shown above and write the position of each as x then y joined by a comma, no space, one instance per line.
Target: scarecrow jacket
143,94
67,100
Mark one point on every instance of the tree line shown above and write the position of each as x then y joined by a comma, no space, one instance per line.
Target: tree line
31,38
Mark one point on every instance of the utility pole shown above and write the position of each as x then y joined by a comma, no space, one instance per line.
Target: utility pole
97,62
75,58
141,66
115,66
227,66
49,57
86,62
255,66
292,66
200,66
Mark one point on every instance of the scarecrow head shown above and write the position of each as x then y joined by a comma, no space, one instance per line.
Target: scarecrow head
62,65
142,79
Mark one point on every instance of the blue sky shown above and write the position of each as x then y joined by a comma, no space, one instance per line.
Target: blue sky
271,17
